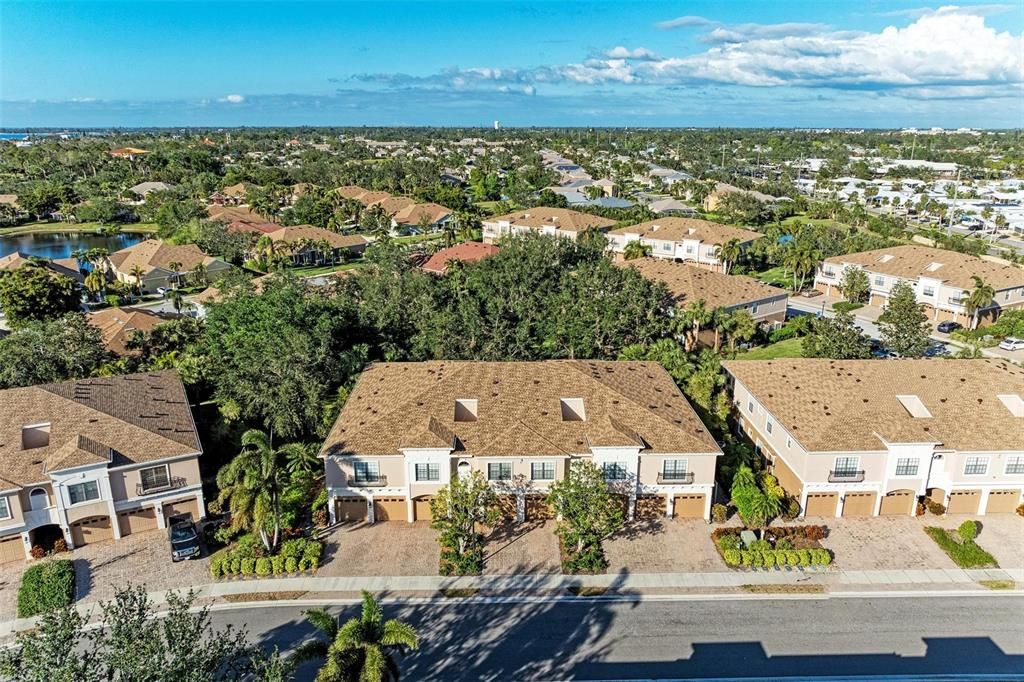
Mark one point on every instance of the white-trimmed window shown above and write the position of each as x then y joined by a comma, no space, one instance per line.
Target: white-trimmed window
675,469
5,508
499,471
750,406
428,472
1015,465
366,472
976,466
753,309
768,425
87,491
614,471
542,471
846,466
928,291
907,466
879,281
154,478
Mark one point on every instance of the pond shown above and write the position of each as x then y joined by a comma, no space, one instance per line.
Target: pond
63,244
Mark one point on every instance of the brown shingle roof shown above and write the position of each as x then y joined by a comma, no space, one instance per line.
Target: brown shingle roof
689,283
298,233
154,253
117,325
518,409
675,229
848,405
954,268
61,266
561,218
135,418
468,252
411,214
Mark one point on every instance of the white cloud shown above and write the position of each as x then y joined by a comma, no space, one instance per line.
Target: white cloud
977,10
683,22
621,52
232,99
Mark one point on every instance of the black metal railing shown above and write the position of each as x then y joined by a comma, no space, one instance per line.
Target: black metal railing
676,479
375,482
845,476
173,483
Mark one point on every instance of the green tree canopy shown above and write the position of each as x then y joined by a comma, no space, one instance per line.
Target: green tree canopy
46,352
903,323
34,293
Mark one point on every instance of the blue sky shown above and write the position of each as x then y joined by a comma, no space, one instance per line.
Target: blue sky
713,63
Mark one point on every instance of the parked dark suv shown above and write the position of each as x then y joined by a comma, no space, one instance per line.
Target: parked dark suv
949,326
184,537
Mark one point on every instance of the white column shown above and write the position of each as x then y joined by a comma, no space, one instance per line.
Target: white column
631,509
201,501
803,503
331,508
370,516
668,504
840,501
707,503
26,540
161,521
983,507
409,510
520,506
878,503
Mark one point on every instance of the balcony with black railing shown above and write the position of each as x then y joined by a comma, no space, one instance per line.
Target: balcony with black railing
676,479
846,476
372,482
173,483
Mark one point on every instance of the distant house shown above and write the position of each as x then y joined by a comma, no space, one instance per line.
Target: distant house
117,325
161,264
415,216
143,188
232,195
668,207
560,222
127,152
13,212
468,252
682,239
714,199
232,214
67,267
309,245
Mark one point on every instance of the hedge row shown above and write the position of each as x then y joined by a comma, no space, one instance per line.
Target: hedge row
45,587
777,557
300,554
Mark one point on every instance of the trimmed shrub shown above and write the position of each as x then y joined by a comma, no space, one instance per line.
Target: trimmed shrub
760,546
291,564
248,566
792,557
45,587
277,564
236,566
730,542
968,530
746,557
732,557
815,532
805,557
1020,509
720,513
37,552
60,545
769,559
263,566
783,543
933,507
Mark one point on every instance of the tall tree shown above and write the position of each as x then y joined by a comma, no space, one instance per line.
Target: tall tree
981,297
33,293
457,511
729,254
636,249
903,323
836,337
587,512
47,352
855,286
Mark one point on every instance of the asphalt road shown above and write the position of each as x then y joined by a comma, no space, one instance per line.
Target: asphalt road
777,638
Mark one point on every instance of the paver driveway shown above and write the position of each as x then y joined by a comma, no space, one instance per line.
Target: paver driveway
388,548
663,546
517,548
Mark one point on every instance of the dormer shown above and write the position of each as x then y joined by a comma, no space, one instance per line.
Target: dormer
466,409
573,410
913,405
1014,403
886,258
932,267
35,436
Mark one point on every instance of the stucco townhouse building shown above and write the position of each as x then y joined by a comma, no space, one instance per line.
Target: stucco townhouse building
408,428
95,459
874,437
687,240
941,279
556,222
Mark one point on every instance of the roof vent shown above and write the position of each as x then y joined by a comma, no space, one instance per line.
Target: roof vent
886,258
932,267
1014,403
572,410
35,436
465,409
913,405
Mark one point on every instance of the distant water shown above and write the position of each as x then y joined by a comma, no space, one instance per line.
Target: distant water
63,244
13,136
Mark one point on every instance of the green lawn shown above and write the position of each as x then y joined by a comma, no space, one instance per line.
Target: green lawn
41,227
777,275
315,270
963,554
790,348
417,238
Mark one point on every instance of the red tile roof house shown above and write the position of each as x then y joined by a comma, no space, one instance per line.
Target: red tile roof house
94,460
469,252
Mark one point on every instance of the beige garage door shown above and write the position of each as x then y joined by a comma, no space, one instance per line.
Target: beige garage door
390,509
897,503
1003,501
688,506
859,504
964,502
421,508
190,506
95,529
11,550
137,520
350,509
821,504
652,507
538,509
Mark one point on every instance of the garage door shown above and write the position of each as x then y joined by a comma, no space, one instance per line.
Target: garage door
964,502
350,509
190,506
897,503
12,550
877,300
137,520
821,504
390,509
688,506
421,508
859,504
95,529
653,506
1003,501
538,509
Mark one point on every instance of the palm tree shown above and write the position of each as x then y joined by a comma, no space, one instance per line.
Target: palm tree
636,249
364,648
720,320
175,267
95,282
693,317
980,297
252,483
199,275
137,274
729,253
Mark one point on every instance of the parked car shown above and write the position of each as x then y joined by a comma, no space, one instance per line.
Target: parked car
162,291
948,327
1012,343
184,537
936,350
810,293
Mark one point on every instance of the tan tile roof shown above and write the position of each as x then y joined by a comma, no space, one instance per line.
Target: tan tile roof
230,214
236,191
846,405
10,199
411,214
351,191
689,283
298,233
518,409
393,205
468,252
154,253
956,269
62,266
117,325
675,229
139,417
562,218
